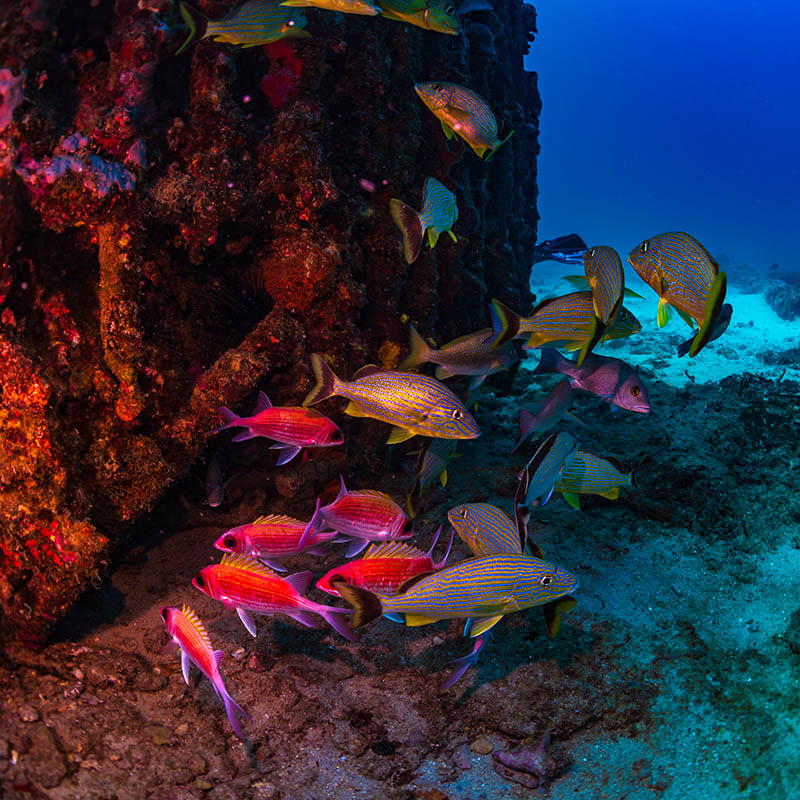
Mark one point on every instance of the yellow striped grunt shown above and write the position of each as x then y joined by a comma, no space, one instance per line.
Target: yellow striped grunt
362,7
607,283
464,113
564,321
486,530
483,589
585,473
414,404
254,23
439,16
685,277
438,215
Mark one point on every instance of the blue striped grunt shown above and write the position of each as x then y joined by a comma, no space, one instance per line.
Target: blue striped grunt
463,113
544,469
564,321
438,215
615,381
254,23
486,530
432,461
607,283
545,414
685,277
485,588
473,354
362,7
585,473
414,404
433,15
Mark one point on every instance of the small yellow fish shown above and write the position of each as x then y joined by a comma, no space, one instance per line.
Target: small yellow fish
433,15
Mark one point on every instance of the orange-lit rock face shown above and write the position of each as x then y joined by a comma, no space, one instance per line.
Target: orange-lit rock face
177,231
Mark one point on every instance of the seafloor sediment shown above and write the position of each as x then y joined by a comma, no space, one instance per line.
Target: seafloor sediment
675,677
177,230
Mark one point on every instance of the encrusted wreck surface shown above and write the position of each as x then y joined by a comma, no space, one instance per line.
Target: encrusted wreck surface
177,230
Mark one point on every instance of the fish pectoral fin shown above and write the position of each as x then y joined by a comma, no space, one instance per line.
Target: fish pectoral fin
415,620
572,498
631,295
478,149
611,494
458,114
399,435
448,131
354,409
247,620
443,478
553,611
433,237
452,235
686,318
483,624
186,665
664,314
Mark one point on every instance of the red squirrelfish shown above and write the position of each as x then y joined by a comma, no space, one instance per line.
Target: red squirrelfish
384,567
272,538
292,427
191,637
365,515
252,588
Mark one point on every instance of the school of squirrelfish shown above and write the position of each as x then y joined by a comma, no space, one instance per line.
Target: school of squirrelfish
506,571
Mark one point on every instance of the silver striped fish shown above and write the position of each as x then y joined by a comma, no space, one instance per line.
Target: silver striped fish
545,467
254,23
564,321
585,473
685,277
438,215
414,404
462,113
473,354
485,588
486,530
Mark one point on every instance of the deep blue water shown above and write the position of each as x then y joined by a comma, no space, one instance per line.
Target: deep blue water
681,115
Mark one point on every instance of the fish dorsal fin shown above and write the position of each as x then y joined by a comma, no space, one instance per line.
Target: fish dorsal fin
342,489
366,371
262,405
615,462
411,582
247,564
373,493
394,550
191,615
300,581
276,519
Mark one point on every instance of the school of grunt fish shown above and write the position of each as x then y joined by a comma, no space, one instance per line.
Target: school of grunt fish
507,571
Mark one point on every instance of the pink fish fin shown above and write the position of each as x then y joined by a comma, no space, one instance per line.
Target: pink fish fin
435,541
287,455
247,620
218,656
300,581
550,360
262,405
313,527
527,424
244,435
335,618
410,225
465,662
319,550
274,564
186,665
232,708
169,648
306,618
443,373
342,489
355,547
419,350
476,381
440,564
230,419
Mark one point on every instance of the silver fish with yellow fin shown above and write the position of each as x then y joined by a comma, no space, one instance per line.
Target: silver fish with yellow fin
254,23
438,215
439,16
414,404
685,277
463,113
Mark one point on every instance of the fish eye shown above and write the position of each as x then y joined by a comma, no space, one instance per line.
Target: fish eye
463,513
164,613
337,578
199,581
436,86
458,413
645,246
546,580
450,10
591,252
338,437
635,391
229,541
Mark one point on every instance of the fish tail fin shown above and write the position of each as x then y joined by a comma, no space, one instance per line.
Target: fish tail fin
314,526
527,425
683,348
505,323
327,383
596,330
232,708
443,560
420,352
197,23
549,361
410,226
366,605
334,618
714,301
231,420
498,146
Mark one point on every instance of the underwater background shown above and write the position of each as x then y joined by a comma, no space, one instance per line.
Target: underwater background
188,238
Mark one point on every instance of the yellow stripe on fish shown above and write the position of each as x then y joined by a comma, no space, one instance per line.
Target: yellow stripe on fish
585,473
434,15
